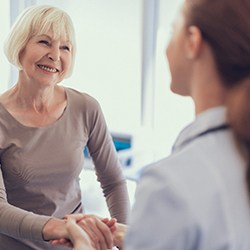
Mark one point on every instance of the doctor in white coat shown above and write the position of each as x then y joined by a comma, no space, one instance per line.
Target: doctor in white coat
198,198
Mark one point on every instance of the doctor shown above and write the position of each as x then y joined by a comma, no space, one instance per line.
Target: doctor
198,198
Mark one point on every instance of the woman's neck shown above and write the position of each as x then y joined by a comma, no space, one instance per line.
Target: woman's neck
40,100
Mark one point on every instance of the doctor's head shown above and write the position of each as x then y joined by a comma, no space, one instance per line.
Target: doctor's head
224,26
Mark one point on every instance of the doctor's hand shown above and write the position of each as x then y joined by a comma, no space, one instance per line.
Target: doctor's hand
98,229
78,237
119,234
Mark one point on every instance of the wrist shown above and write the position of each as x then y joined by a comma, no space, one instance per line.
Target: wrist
119,235
54,229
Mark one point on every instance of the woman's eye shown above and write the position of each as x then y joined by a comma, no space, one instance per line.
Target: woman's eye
66,48
44,42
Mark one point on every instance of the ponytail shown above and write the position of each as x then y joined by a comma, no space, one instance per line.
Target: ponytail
232,57
239,119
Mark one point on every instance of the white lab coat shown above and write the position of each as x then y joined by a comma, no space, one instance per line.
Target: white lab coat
197,198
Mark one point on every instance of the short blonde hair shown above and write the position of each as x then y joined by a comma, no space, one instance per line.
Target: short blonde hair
35,20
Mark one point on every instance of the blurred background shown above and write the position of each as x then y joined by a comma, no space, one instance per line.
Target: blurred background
121,62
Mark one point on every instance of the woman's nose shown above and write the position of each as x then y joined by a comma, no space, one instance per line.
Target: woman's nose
54,54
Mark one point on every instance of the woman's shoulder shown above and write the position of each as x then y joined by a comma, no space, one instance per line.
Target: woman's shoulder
77,97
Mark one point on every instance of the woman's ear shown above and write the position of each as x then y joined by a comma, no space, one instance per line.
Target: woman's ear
194,42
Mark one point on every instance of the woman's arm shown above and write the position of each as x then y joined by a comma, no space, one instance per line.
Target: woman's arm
17,222
107,165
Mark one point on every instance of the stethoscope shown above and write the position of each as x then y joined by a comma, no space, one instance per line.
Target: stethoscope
208,131
212,130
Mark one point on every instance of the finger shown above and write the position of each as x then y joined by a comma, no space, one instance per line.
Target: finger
61,242
74,229
88,226
76,233
75,217
105,230
98,231
111,223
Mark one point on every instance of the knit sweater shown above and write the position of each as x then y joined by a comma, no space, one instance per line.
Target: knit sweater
40,167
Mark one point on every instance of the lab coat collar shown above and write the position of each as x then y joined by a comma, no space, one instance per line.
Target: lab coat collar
211,118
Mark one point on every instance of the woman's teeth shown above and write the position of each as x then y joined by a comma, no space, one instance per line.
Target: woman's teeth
53,70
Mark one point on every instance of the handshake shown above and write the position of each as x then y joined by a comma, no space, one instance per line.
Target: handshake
85,232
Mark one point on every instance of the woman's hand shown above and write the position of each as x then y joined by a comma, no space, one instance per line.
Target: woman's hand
54,229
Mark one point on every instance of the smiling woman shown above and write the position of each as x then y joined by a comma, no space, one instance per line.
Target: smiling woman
44,129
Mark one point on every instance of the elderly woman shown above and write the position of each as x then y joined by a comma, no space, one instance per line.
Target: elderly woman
44,128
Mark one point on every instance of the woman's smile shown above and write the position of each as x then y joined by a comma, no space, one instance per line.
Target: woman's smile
48,68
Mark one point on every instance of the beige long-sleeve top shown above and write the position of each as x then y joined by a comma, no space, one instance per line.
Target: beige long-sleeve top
40,167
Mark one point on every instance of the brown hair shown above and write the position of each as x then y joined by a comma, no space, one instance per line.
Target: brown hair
225,25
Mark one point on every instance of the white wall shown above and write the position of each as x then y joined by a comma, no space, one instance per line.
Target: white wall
172,112
5,24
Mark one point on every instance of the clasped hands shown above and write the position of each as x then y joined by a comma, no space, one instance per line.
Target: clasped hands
91,232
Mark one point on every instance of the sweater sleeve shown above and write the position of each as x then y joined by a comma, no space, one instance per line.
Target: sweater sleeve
16,222
107,166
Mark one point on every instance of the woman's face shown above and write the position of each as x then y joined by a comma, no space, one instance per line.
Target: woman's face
177,59
46,60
